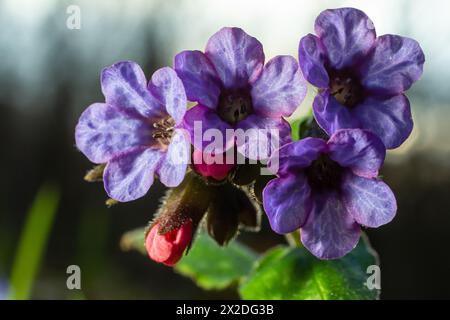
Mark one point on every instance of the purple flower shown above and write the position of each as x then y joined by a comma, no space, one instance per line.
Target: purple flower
136,131
361,78
328,189
235,90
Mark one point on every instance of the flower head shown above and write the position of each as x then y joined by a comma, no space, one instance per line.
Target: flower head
235,90
136,132
168,248
362,78
329,188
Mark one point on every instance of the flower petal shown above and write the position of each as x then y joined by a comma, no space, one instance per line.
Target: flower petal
312,57
207,131
394,65
370,201
199,77
104,131
169,90
331,115
129,176
360,150
347,34
124,86
287,202
237,57
261,136
296,155
330,231
173,166
390,119
280,89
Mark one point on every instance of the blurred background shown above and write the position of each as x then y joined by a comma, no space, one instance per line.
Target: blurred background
49,74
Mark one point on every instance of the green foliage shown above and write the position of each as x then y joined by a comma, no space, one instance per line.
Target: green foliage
206,263
134,240
293,273
32,243
301,125
215,267
288,273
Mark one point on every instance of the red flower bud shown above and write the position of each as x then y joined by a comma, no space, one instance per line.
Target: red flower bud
168,248
203,164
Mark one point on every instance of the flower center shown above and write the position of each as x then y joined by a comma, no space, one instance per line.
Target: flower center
324,174
163,130
346,89
234,106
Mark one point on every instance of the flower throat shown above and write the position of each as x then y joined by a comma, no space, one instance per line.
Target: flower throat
346,89
163,130
324,174
234,106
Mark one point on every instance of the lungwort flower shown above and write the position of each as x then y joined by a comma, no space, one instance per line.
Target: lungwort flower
361,78
328,189
136,131
234,90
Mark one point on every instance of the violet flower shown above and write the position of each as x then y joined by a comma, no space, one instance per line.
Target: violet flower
234,90
328,189
136,131
361,78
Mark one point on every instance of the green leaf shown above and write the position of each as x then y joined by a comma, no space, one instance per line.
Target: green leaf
294,274
300,126
206,263
295,129
213,267
134,240
33,242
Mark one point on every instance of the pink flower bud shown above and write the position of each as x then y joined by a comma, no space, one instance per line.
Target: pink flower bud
203,164
168,248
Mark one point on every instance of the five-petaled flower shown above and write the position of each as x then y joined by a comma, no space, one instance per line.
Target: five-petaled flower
136,131
328,189
234,90
361,78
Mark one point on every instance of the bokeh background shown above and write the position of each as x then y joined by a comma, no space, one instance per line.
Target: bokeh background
49,74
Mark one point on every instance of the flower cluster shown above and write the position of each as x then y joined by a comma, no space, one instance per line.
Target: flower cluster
325,184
